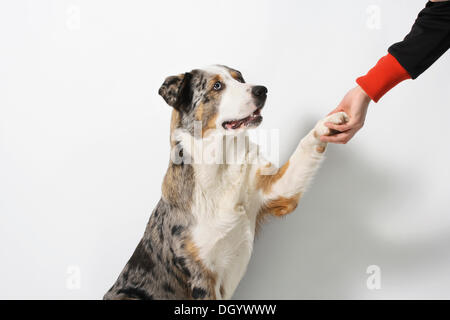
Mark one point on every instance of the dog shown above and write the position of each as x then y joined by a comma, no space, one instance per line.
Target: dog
199,238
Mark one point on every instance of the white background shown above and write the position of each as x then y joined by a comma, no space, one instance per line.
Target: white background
84,142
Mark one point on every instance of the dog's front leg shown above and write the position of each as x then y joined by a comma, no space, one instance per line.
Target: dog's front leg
282,188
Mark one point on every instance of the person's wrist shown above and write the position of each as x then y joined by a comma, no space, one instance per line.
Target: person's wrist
363,95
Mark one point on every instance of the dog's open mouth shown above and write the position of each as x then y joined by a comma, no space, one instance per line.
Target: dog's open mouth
252,120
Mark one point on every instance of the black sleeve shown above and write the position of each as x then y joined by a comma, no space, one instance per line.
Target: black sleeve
428,39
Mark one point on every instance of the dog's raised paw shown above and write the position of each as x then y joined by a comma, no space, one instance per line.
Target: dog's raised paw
336,118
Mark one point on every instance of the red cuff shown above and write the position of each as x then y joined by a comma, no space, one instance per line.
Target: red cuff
386,74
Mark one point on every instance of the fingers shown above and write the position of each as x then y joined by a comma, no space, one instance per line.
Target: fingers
338,127
351,125
340,138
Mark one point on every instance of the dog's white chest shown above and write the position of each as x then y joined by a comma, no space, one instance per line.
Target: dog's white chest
225,245
224,231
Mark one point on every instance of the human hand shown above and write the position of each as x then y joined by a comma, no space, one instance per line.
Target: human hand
354,104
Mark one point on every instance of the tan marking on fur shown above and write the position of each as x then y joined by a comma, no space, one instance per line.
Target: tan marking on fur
211,277
209,122
205,112
172,174
265,182
321,149
281,205
174,121
222,291
235,75
122,297
214,80
316,135
169,186
277,207
199,112
210,125
177,180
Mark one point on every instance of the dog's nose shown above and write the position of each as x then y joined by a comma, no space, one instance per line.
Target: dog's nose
259,94
259,91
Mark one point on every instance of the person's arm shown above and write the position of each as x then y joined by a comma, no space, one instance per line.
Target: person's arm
428,39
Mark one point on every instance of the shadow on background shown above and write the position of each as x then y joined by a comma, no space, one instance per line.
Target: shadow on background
323,248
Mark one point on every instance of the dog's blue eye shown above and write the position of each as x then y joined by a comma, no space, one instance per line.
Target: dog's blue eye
217,86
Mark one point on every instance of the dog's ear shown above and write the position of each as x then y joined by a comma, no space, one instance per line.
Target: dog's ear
176,91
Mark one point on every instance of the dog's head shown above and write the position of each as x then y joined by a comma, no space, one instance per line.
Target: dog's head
216,96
